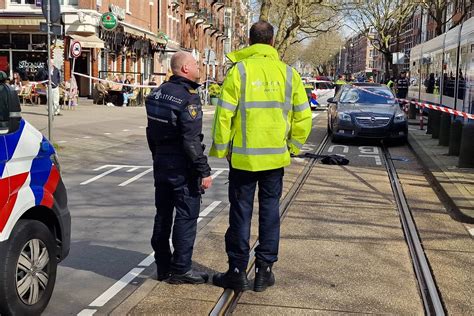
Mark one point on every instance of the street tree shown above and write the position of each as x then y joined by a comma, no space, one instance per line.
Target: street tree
299,20
320,51
381,21
437,9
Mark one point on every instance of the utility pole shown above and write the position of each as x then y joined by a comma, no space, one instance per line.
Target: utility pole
50,90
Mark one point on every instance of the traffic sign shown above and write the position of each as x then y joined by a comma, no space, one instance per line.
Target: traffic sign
108,21
75,49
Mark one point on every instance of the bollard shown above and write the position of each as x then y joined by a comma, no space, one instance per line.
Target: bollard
421,117
466,152
455,138
444,129
412,111
436,120
429,126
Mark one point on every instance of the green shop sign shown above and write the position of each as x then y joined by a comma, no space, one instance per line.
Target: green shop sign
108,21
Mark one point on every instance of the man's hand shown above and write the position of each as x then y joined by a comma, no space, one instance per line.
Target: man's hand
206,183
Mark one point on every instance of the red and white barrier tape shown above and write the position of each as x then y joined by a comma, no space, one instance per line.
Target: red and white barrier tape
423,105
113,82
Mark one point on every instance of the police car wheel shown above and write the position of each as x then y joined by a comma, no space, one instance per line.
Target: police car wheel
27,269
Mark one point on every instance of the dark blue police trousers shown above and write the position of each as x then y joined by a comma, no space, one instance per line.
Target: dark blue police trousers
242,185
175,189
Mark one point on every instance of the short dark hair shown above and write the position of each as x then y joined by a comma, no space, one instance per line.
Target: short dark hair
261,32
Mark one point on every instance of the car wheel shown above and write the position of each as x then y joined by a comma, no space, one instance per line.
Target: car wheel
27,269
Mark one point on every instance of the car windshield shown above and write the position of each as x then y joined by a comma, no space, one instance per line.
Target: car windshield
368,95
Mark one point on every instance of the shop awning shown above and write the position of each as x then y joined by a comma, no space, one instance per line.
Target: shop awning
21,21
91,41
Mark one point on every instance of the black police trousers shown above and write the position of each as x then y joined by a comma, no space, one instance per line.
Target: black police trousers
175,189
242,185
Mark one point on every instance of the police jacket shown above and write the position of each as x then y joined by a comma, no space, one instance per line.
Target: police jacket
175,123
402,84
263,113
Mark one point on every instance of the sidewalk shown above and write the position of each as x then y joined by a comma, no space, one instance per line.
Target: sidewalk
455,184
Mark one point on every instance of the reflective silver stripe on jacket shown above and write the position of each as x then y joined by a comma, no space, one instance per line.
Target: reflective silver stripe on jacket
15,114
243,104
258,151
243,86
296,143
300,107
226,105
221,146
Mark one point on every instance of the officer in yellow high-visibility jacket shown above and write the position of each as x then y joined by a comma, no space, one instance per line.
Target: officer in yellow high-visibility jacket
262,116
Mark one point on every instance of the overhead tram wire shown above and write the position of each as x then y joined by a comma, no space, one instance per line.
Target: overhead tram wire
229,299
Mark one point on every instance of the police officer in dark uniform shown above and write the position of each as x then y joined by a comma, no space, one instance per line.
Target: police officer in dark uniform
402,86
181,171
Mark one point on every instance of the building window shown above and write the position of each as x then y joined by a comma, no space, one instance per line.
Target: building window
22,1
20,41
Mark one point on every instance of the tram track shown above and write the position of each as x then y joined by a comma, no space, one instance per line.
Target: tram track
426,284
429,294
229,298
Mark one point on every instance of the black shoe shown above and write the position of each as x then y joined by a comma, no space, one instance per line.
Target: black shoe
235,279
162,273
190,277
264,276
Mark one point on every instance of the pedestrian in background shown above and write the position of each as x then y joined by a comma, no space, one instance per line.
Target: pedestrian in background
55,81
401,86
180,168
262,116
341,80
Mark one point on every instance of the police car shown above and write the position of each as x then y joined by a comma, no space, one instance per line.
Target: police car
34,218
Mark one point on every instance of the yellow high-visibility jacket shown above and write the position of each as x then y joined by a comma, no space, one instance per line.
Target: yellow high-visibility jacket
263,113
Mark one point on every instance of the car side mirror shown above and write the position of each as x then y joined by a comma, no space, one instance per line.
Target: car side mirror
331,100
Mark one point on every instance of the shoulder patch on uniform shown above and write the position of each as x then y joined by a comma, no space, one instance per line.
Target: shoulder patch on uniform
192,110
192,91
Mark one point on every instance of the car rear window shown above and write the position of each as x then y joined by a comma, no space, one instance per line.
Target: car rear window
368,95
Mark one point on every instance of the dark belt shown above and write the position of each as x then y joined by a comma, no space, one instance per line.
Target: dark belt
169,149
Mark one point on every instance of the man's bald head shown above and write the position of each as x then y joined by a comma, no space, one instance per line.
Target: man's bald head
183,64
261,32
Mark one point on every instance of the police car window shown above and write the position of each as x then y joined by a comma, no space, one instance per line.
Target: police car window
368,96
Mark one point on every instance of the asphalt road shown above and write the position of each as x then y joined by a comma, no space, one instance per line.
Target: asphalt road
106,166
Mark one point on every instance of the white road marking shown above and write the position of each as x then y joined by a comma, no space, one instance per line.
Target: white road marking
106,133
471,231
378,160
141,126
86,137
315,114
215,174
87,312
223,169
117,287
125,130
148,260
101,175
345,149
132,170
135,272
209,209
138,176
62,141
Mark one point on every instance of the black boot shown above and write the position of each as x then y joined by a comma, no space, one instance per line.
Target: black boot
190,277
232,279
162,272
263,276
